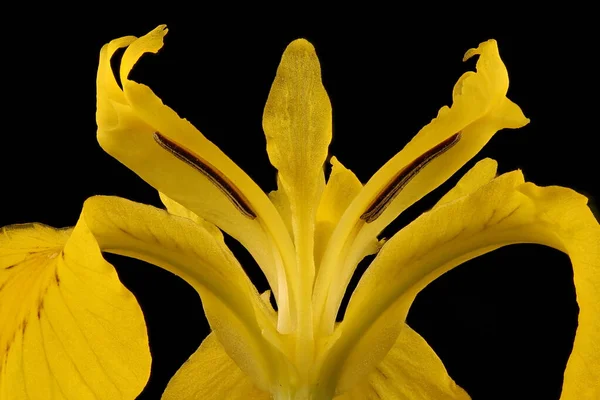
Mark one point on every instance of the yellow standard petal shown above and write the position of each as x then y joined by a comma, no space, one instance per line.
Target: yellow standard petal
342,187
68,327
481,173
508,211
297,124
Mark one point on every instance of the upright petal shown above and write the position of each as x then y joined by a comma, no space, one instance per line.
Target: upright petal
481,173
69,328
282,204
480,108
508,211
210,374
297,124
136,128
342,187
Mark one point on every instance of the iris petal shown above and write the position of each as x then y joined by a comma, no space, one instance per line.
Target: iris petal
508,211
297,124
342,187
210,374
410,371
198,254
481,173
70,330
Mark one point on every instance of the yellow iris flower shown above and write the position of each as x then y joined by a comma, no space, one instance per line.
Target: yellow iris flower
70,330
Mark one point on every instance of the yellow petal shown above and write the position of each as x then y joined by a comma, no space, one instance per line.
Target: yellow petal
175,208
410,371
196,253
297,124
136,128
481,173
342,187
282,204
69,328
480,108
73,312
211,374
504,211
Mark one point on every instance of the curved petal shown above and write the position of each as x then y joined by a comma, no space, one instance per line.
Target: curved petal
480,108
136,128
297,124
197,253
508,211
410,371
194,251
210,374
69,328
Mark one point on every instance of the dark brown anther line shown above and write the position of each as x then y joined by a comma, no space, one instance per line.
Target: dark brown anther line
220,181
402,178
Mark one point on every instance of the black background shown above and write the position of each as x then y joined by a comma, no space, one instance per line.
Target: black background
503,324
